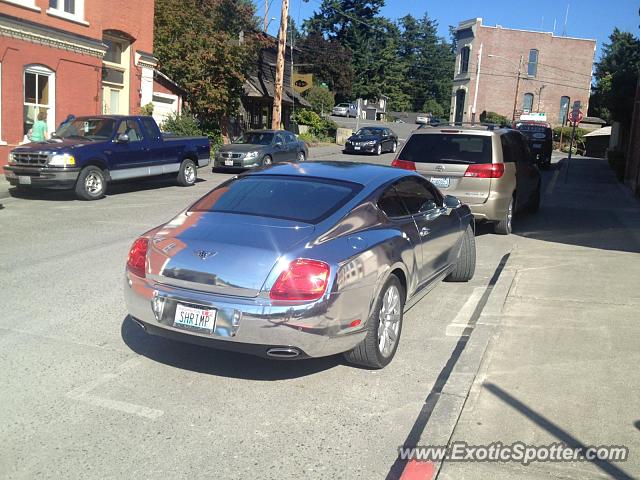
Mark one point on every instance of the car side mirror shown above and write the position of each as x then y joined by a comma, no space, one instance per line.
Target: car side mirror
122,138
451,202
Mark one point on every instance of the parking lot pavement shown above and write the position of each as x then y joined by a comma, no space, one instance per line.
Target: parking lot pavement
87,394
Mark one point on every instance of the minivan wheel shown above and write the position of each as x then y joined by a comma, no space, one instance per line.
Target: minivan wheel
503,227
384,328
466,264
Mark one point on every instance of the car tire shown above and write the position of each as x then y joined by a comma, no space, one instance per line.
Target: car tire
466,264
378,150
373,352
267,160
91,183
301,157
504,226
188,173
394,148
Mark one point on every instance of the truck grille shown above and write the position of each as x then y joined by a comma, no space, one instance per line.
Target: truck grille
30,158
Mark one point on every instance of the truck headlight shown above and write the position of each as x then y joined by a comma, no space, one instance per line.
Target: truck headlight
251,155
12,158
63,160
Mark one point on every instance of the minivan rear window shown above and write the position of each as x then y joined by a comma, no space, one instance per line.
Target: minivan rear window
308,200
447,148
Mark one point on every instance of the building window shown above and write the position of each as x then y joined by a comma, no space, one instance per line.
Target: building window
39,96
527,104
67,6
29,4
532,68
68,9
464,59
115,75
564,109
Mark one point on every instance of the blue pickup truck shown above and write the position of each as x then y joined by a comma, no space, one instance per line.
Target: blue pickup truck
89,152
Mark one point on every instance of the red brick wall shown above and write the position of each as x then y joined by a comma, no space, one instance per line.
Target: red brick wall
564,68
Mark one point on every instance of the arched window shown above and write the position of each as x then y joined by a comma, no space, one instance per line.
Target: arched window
532,68
564,109
464,59
527,103
39,95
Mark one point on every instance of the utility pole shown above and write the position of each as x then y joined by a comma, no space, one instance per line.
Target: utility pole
266,15
515,101
282,45
475,95
293,92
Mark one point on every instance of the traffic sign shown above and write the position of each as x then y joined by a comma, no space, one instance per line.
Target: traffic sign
576,116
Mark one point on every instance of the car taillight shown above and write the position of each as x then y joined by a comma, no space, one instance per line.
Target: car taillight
404,164
302,280
485,170
138,257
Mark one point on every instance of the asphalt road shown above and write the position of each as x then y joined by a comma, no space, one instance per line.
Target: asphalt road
87,394
403,130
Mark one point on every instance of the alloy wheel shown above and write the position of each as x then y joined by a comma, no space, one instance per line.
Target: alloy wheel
190,174
389,321
93,184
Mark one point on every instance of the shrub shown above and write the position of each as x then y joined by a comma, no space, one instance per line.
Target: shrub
147,109
320,98
434,108
493,117
319,127
188,125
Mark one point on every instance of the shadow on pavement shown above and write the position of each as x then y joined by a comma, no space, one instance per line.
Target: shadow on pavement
112,189
585,207
555,430
218,362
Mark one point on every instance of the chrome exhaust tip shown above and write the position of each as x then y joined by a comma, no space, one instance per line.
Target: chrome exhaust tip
283,353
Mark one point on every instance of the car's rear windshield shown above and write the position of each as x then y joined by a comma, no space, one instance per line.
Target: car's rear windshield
447,148
308,200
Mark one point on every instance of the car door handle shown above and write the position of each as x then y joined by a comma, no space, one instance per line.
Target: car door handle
425,231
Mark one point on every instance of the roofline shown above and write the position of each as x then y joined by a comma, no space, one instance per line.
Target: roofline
473,21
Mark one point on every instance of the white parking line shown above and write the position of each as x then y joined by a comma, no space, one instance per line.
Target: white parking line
461,322
83,394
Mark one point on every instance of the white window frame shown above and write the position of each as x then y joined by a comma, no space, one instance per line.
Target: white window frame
51,112
28,4
77,16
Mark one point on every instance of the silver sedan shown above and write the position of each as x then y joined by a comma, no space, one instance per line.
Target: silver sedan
301,260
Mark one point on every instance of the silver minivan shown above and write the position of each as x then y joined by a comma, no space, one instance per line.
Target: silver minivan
491,170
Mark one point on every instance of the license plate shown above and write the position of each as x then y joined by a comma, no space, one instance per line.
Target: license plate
228,163
24,180
356,148
440,182
195,318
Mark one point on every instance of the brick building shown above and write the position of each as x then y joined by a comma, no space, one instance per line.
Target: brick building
72,57
554,72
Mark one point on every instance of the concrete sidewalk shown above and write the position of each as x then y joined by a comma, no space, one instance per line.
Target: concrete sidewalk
562,364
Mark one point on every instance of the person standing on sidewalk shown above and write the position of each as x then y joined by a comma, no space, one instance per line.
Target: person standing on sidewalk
39,129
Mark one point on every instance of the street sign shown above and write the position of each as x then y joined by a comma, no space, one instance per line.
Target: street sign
576,117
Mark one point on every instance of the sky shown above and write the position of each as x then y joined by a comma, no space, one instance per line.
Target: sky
592,19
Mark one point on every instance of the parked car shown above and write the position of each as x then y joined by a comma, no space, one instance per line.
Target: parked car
345,110
291,262
492,170
89,152
540,137
372,140
423,119
258,148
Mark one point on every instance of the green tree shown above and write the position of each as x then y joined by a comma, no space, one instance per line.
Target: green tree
205,45
320,98
616,76
434,108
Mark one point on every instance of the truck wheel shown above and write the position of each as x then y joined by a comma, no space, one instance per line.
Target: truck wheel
466,264
188,173
91,183
383,328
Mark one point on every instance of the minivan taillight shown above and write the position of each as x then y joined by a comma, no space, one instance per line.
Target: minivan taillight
485,170
138,257
303,280
404,164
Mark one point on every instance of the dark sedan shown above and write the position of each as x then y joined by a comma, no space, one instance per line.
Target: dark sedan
290,262
259,148
372,140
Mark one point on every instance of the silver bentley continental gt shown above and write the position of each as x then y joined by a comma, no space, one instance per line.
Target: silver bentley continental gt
301,260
